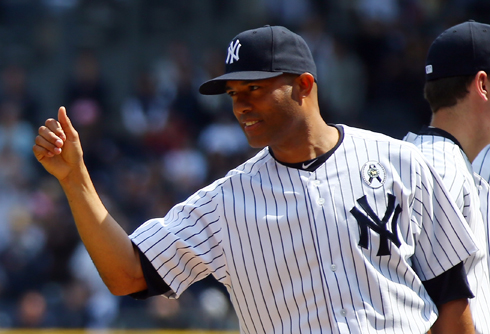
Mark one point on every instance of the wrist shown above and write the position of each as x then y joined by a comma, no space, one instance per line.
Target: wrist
77,177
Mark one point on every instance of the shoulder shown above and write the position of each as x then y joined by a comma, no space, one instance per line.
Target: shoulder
252,165
434,142
249,168
384,144
482,159
444,153
402,160
369,135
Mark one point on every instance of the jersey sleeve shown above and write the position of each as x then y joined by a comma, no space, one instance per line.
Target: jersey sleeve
444,238
450,285
185,245
155,285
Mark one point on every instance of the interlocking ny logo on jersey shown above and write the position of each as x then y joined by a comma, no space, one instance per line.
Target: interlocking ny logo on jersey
233,52
372,221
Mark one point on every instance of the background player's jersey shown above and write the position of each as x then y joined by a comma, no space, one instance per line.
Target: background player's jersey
484,192
444,153
481,164
481,167
342,249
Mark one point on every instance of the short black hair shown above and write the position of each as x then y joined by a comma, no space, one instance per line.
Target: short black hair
446,92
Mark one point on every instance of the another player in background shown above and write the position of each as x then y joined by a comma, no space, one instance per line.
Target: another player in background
457,91
328,229
481,164
482,171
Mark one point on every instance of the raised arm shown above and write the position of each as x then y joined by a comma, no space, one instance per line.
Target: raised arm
58,148
454,318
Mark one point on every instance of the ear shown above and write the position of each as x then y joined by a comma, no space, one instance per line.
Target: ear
481,85
305,82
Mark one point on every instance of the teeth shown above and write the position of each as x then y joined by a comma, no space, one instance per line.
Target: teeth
250,123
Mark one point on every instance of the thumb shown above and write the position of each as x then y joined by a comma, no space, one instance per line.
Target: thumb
66,124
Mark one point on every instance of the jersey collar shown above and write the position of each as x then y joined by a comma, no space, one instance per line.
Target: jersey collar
432,131
312,164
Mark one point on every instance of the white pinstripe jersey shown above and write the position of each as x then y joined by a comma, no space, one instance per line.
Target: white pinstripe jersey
456,171
484,192
481,164
342,249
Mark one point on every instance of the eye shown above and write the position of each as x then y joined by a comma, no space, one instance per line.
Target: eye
231,93
253,87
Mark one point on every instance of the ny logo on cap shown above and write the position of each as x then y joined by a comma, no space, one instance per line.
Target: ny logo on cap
233,52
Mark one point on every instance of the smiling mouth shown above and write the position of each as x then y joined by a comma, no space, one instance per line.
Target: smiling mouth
251,123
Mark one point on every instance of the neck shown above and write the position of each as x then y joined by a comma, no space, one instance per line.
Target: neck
463,123
316,138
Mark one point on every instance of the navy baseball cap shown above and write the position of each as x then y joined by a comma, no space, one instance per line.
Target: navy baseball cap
463,49
262,53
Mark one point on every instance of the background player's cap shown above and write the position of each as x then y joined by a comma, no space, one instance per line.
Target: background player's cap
262,53
463,49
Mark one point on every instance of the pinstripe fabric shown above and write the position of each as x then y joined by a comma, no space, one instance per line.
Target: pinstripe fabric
484,192
481,164
285,243
457,174
481,167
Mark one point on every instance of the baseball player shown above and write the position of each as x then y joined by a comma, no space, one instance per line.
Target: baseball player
328,229
449,143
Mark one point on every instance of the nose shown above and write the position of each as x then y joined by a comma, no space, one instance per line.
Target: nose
241,105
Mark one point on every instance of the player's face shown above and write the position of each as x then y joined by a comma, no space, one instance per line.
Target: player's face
266,110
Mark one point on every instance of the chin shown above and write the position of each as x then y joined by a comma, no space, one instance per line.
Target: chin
256,144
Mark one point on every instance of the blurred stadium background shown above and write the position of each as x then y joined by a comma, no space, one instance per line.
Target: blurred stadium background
128,72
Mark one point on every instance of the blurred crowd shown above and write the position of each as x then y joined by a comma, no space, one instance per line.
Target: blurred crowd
128,72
